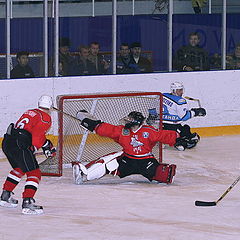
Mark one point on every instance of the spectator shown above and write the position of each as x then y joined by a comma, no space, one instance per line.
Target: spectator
215,62
22,69
98,60
60,69
83,66
143,63
125,63
233,60
64,57
192,57
198,5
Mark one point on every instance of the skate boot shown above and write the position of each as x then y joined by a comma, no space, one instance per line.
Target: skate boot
195,137
78,174
7,200
193,140
28,207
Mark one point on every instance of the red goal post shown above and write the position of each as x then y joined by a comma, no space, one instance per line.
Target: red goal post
77,144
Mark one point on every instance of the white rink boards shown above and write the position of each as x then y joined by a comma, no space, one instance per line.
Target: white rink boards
132,208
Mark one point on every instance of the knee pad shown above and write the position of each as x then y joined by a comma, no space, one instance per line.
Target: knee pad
165,173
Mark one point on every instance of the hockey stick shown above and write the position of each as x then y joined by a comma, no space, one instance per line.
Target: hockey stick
208,204
67,114
194,99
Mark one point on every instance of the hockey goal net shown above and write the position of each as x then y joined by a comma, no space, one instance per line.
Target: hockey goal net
77,144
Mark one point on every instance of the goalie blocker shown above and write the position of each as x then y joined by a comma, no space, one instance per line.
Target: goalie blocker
119,165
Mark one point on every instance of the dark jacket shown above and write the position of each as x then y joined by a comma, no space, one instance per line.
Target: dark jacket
195,57
98,64
126,66
144,65
82,67
22,72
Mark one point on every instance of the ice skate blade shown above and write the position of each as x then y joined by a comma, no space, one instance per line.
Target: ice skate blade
8,205
27,211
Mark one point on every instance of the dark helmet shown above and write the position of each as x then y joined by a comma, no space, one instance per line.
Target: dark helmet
137,117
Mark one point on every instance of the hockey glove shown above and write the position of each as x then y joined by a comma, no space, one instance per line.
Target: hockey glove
90,124
88,121
48,149
199,112
181,144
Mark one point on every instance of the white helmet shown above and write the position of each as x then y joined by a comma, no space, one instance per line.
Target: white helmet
45,101
176,85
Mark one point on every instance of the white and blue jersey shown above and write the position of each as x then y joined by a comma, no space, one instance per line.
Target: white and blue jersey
175,109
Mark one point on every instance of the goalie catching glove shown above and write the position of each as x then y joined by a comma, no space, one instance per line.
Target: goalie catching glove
199,112
88,121
48,149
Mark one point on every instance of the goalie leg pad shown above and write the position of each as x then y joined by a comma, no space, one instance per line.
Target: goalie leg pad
165,173
112,165
111,161
99,169
96,171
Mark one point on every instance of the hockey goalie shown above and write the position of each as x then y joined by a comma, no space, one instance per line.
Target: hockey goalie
137,141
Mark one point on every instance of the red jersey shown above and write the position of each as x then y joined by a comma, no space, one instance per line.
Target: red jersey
137,143
37,122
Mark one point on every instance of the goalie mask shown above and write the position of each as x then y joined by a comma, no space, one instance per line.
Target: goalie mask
134,119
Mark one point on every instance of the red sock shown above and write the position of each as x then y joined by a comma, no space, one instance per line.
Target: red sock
13,178
31,185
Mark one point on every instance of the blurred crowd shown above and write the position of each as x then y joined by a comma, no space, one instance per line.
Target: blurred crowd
89,60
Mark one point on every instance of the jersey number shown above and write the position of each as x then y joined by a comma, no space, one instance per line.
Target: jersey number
23,122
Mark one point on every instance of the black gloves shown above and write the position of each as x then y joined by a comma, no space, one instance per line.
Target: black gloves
48,149
199,112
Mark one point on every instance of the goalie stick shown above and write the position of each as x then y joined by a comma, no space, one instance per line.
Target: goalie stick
208,204
194,99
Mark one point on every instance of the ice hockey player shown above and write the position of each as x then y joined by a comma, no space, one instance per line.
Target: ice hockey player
176,111
19,145
137,141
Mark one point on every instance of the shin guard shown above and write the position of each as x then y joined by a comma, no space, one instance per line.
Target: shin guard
13,178
32,182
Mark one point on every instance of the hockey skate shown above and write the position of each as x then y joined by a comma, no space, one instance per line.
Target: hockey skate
7,200
193,140
78,174
29,208
195,137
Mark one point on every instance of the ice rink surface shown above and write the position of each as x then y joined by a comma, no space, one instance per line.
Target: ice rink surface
132,208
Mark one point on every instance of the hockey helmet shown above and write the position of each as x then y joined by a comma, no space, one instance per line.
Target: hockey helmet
45,102
175,86
134,119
